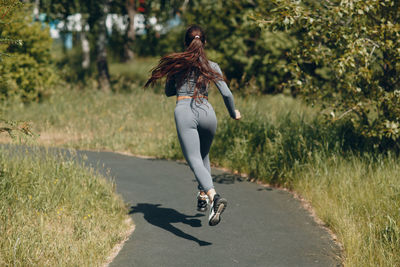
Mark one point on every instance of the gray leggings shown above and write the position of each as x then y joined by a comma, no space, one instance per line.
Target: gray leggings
196,124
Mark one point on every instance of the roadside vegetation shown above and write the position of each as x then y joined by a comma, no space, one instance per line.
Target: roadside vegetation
55,211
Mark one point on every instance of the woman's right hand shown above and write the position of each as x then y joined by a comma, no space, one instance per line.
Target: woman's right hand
238,116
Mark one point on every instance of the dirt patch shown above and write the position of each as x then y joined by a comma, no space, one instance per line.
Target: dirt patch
51,138
59,138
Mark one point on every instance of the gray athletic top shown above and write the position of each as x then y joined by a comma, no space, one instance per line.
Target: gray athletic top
187,89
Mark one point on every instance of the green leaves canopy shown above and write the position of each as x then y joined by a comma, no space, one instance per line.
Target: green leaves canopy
347,58
245,53
25,69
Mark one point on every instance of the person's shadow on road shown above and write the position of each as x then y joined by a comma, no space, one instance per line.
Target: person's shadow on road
163,217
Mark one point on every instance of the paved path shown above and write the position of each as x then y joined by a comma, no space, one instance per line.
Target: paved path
260,227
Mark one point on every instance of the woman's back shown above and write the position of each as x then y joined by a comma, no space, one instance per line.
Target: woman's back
188,86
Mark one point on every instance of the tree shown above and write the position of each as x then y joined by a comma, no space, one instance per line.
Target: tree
25,70
348,58
130,36
244,52
9,9
94,15
101,44
60,10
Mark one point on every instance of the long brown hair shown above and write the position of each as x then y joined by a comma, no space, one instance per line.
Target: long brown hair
193,61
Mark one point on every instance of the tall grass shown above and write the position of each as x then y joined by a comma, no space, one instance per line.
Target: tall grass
136,71
359,199
280,140
141,122
56,212
277,139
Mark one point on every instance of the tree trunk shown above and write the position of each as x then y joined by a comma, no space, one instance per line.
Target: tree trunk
36,10
184,5
101,43
130,32
85,47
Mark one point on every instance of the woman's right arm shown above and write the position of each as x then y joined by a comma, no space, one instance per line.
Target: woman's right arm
170,89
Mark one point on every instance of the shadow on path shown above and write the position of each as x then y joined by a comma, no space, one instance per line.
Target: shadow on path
227,178
164,217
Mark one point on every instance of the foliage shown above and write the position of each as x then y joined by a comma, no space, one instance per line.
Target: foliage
25,71
154,14
154,41
93,15
155,44
244,52
15,129
7,7
348,59
134,72
119,41
69,65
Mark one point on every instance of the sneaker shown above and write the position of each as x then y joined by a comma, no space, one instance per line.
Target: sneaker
202,202
217,207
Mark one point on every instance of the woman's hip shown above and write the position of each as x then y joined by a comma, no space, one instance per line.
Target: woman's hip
202,116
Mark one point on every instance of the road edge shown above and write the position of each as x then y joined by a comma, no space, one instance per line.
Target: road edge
118,247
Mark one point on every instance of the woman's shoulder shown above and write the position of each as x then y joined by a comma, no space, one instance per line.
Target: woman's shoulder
214,65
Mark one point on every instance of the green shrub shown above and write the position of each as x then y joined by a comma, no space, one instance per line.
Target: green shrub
245,53
275,147
26,71
69,65
348,60
279,139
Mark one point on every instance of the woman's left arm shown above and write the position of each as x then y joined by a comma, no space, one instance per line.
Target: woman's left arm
226,94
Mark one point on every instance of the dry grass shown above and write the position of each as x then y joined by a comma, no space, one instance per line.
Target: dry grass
359,199
56,212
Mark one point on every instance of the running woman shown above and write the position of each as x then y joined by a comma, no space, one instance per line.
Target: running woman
188,75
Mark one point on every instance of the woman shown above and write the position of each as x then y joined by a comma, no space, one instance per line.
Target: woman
188,75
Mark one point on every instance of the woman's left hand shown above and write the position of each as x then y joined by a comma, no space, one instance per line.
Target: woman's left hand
238,116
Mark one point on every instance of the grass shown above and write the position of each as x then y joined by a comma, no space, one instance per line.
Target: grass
359,199
280,140
135,71
140,123
56,212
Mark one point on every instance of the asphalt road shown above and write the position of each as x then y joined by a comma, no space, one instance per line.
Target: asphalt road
260,227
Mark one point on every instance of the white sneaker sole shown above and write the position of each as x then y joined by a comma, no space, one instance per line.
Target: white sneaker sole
215,218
